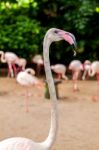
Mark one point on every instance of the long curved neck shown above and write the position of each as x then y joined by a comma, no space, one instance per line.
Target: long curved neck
2,57
54,113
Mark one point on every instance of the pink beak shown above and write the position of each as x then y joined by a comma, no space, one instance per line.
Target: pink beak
70,38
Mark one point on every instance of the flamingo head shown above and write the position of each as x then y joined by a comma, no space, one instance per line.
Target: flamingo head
52,67
87,62
30,71
55,34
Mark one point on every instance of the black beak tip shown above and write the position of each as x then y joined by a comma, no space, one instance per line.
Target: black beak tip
74,46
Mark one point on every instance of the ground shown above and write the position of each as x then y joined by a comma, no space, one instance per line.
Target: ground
78,114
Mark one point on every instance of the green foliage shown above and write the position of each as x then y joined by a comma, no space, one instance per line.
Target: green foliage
23,24
79,17
19,32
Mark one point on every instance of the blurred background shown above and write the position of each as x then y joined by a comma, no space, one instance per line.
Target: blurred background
23,24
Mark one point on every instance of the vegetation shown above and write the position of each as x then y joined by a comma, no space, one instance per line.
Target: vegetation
23,24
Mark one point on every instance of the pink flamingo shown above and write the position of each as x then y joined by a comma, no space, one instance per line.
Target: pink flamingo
20,143
60,70
21,64
76,67
38,60
94,70
86,67
27,78
11,59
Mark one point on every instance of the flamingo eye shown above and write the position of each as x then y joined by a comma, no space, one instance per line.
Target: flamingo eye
56,31
29,72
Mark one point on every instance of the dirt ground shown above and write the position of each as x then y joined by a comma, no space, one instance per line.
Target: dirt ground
78,114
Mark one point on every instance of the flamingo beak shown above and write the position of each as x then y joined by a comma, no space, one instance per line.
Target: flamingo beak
70,38
74,45
74,48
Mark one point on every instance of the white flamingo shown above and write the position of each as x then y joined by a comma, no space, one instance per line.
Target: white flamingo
27,78
86,67
94,71
11,59
38,60
60,70
76,67
19,143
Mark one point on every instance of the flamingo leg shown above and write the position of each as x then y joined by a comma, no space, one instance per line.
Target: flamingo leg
28,95
84,75
9,74
87,76
15,69
64,77
59,76
38,69
10,70
19,69
96,97
27,100
97,77
75,81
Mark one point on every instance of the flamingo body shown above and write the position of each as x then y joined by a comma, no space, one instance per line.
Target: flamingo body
22,63
20,143
38,59
86,67
59,69
10,57
76,65
94,68
94,71
26,79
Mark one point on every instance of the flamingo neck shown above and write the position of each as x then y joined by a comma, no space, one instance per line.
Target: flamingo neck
2,57
54,113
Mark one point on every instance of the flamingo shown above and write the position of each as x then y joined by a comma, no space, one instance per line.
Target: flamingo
94,70
38,60
86,66
60,69
27,78
21,64
11,59
76,67
20,143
